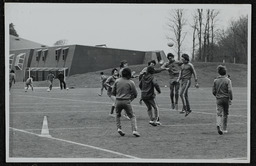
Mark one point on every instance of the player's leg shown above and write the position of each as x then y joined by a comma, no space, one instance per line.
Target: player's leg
172,93
156,111
188,110
113,98
31,85
219,116
177,88
26,87
150,113
182,92
64,84
131,115
119,108
225,115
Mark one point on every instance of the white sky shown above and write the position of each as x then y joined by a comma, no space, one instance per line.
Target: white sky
123,26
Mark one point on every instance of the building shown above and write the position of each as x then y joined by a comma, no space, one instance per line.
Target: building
38,60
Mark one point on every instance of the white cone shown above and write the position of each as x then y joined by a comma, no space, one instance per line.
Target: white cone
45,129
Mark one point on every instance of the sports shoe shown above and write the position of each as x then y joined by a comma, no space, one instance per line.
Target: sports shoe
136,134
182,111
158,123
120,132
176,107
152,123
173,106
225,131
112,115
219,131
124,115
188,112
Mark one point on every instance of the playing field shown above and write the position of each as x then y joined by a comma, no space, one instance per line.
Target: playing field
82,130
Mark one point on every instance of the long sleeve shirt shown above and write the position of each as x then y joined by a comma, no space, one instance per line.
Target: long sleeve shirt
124,89
222,88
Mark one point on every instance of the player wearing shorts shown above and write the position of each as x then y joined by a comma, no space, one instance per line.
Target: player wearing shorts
147,85
125,91
103,79
222,90
173,67
50,79
109,83
29,82
186,72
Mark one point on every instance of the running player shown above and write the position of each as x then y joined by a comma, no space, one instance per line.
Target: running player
147,85
50,79
186,72
109,83
125,91
12,78
29,82
222,90
173,67
103,79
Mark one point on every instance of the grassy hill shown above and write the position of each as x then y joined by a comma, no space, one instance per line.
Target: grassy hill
206,73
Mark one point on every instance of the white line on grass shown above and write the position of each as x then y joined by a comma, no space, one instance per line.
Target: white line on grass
109,103
201,124
76,143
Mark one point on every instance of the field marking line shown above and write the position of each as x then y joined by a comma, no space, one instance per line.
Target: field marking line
201,124
67,128
76,143
109,103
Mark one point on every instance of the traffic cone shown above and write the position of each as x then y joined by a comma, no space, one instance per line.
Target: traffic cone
45,129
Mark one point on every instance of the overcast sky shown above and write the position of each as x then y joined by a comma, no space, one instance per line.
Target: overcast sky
129,26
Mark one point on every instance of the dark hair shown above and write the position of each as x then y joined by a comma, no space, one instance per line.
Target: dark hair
12,71
113,70
152,61
127,73
222,70
185,56
170,55
150,70
101,73
122,63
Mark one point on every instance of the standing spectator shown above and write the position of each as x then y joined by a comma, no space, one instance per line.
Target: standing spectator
12,78
186,72
147,85
222,90
50,79
103,79
61,77
125,92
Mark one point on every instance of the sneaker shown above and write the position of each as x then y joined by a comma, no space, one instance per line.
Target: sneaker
136,134
176,107
188,112
120,132
173,106
158,123
99,94
225,131
124,115
152,123
219,131
112,115
182,111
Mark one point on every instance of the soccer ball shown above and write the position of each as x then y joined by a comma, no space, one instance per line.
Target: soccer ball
161,62
48,90
170,44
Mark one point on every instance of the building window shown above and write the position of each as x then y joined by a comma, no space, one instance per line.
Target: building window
11,58
38,55
57,54
20,61
44,54
64,53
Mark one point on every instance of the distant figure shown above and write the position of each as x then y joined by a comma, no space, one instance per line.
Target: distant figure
222,90
29,82
125,91
12,78
61,77
103,79
50,79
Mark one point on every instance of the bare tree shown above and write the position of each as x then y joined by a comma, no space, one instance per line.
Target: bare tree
176,24
194,27
206,36
213,15
199,31
61,42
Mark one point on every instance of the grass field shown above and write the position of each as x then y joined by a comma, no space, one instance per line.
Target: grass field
81,129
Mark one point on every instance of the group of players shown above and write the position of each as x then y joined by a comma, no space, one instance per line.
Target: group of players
121,89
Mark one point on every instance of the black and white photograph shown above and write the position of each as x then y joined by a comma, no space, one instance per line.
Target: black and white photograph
127,83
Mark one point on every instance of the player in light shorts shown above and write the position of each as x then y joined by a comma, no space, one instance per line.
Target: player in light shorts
29,82
103,79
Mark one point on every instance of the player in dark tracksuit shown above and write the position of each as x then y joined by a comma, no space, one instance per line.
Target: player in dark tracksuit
147,85
186,72
125,91
61,78
222,90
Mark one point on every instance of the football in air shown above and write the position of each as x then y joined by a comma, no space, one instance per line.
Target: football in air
170,44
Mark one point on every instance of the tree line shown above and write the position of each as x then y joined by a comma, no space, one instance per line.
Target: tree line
209,42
